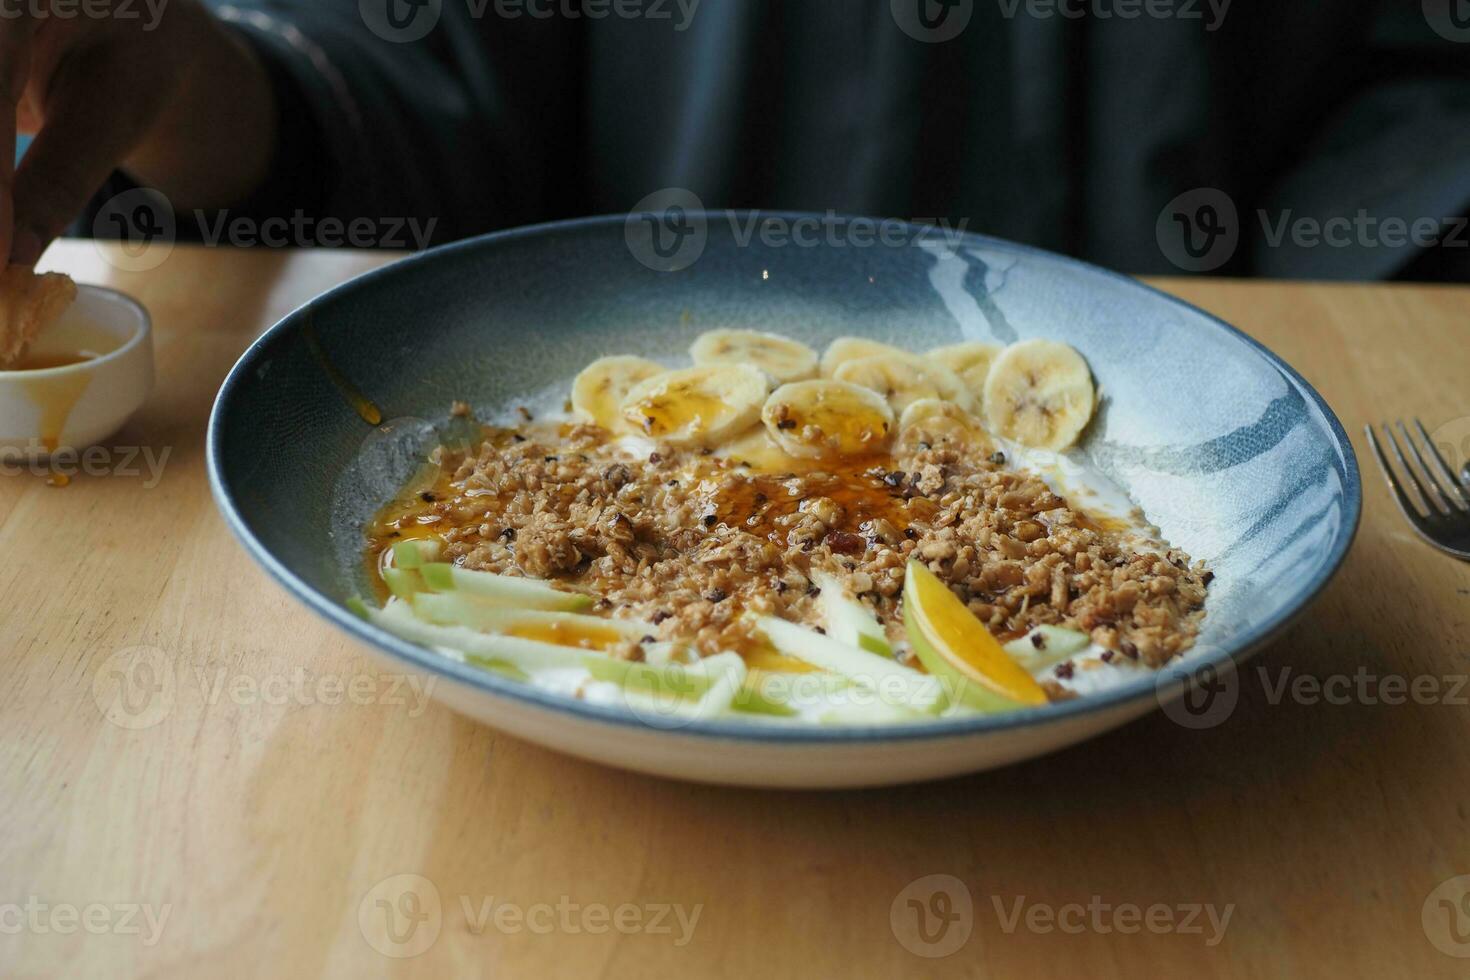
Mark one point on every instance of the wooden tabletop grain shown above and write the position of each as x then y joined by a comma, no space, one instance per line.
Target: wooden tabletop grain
271,802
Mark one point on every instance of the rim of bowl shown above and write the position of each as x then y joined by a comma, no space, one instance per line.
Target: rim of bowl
1232,652
139,335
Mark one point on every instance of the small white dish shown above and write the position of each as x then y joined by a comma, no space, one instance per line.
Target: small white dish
75,405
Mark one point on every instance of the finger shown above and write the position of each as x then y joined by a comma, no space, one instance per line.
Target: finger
15,69
85,135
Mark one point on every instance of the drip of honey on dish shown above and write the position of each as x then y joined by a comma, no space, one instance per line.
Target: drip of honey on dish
55,397
361,404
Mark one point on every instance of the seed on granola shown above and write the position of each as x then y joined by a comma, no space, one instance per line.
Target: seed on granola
1065,670
427,497
895,478
1130,649
717,595
645,639
1038,641
998,458
655,458
660,616
709,520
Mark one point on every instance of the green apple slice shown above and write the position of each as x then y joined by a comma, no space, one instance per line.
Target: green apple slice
503,590
403,582
848,620
895,682
955,646
463,609
397,618
417,552
1047,645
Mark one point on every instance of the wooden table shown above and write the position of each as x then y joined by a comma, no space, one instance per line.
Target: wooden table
260,808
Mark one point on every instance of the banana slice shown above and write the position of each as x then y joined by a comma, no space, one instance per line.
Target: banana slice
904,379
698,406
971,361
781,357
1040,394
937,423
827,418
845,349
598,392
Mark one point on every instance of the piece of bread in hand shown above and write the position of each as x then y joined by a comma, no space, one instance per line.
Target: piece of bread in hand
29,303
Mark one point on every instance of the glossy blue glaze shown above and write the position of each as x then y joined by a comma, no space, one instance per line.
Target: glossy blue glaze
1224,446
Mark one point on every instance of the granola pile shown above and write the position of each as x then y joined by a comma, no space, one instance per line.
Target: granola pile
690,540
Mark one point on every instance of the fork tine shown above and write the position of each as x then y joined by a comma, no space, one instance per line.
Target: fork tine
1434,491
1447,477
1405,504
1429,510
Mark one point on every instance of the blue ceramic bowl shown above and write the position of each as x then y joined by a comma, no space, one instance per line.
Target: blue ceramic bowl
1223,445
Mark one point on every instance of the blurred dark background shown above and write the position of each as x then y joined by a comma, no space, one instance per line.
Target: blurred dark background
1306,139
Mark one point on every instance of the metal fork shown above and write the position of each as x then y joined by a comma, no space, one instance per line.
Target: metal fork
1442,516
